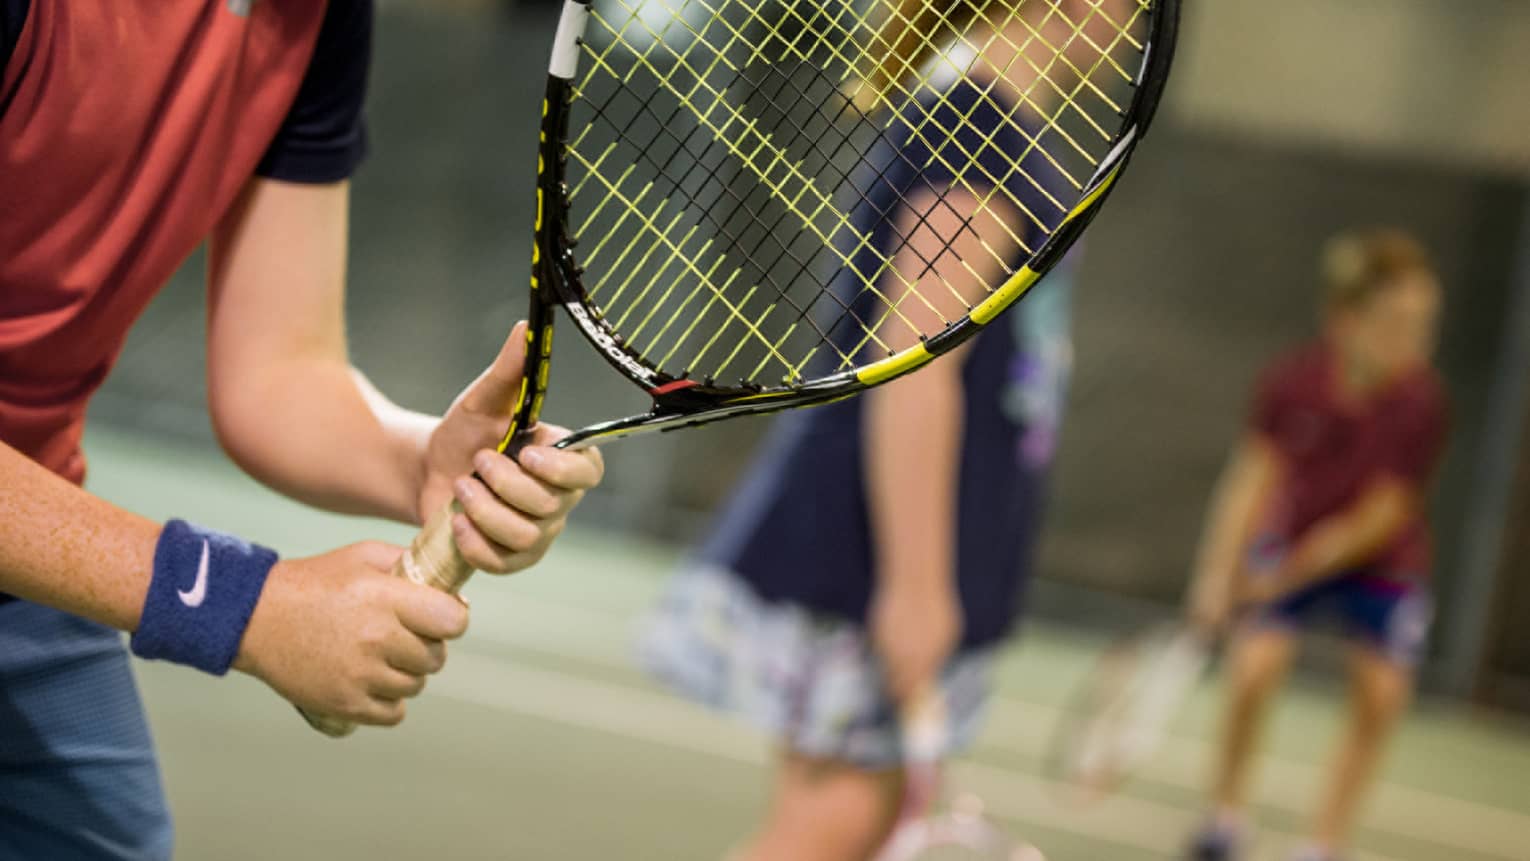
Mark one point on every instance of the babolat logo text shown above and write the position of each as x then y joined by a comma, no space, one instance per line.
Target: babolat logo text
608,345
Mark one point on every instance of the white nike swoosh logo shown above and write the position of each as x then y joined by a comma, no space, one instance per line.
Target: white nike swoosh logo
198,591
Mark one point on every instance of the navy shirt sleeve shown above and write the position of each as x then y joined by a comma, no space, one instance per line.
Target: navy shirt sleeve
13,14
323,138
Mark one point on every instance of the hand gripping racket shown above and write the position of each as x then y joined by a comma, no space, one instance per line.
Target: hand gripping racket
752,205
925,831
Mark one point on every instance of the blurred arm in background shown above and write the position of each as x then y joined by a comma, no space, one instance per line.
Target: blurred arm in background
1340,542
914,430
913,450
1241,496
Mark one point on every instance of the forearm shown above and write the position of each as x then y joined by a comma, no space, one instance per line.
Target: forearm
67,549
284,399
1232,518
912,447
316,430
1348,539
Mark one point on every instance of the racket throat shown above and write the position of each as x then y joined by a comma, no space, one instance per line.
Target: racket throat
659,419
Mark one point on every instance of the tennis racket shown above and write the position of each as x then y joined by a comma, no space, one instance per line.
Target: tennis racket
728,219
1123,711
925,832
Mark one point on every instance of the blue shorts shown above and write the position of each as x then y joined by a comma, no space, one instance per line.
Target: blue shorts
1391,617
78,779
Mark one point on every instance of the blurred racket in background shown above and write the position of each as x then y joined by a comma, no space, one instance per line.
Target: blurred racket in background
1123,710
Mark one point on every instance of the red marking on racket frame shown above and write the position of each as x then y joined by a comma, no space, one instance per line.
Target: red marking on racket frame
675,386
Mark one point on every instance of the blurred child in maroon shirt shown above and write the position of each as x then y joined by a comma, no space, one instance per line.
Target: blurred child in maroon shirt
1320,513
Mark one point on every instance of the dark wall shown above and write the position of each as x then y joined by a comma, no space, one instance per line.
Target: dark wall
1504,678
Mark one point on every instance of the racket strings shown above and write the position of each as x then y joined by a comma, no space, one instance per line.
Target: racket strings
846,310
985,197
733,239
927,116
786,117
922,81
1068,99
926,264
719,136
801,265
774,102
701,159
722,156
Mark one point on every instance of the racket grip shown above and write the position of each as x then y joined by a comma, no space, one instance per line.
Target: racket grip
433,560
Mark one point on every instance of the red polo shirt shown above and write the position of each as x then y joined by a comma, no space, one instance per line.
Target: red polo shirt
127,128
1333,449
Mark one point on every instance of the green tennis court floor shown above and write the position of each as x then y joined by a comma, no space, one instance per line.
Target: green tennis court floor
540,740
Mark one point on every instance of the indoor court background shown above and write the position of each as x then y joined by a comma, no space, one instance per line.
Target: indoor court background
540,741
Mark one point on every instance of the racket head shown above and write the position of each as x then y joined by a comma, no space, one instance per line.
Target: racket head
1123,710
704,166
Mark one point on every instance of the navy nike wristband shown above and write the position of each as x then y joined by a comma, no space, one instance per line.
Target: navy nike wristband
204,589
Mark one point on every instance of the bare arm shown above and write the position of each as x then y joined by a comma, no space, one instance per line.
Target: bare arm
1241,495
1407,453
913,441
65,548
914,425
284,398
330,632
290,409
913,444
333,632
1344,540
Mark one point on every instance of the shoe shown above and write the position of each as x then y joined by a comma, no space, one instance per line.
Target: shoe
1216,843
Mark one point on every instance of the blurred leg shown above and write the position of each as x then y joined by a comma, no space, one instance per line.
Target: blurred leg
825,810
1380,690
1256,667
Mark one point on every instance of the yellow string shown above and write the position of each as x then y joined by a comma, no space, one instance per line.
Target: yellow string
826,39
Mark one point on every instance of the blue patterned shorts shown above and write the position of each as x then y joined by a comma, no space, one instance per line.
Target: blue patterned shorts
811,681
